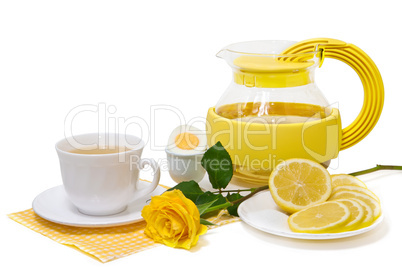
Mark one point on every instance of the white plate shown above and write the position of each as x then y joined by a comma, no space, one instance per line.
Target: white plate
261,212
54,205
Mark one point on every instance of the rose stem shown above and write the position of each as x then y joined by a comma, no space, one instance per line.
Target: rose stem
377,168
250,194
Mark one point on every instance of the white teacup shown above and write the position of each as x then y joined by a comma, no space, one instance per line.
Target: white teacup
100,172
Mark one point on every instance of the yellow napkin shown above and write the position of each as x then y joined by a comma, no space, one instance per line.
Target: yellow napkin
105,244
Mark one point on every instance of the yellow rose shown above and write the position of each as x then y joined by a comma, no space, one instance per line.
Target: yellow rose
173,219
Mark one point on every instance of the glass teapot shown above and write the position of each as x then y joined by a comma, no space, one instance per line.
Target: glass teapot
273,110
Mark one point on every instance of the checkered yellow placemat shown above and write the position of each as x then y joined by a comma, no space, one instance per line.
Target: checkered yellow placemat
105,244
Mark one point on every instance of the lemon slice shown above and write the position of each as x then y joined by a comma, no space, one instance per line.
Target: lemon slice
345,179
298,183
368,217
357,214
356,189
320,218
373,203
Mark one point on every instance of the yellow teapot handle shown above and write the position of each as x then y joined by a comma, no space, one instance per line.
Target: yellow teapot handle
369,76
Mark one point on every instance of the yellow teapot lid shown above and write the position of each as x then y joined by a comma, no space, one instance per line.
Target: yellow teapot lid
271,71
269,64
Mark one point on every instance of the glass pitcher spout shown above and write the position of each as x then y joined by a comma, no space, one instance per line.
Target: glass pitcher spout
221,54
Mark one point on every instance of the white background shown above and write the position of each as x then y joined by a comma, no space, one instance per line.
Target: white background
132,55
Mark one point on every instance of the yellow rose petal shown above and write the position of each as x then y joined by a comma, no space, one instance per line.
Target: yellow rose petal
173,219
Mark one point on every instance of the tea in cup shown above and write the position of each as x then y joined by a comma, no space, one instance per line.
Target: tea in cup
100,172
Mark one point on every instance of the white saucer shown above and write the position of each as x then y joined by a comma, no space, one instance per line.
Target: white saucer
261,212
54,205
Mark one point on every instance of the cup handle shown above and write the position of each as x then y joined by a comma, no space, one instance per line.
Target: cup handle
155,181
369,75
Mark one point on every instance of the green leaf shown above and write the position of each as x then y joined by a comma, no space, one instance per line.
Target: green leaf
209,202
206,222
233,209
216,208
190,189
203,207
208,197
218,164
